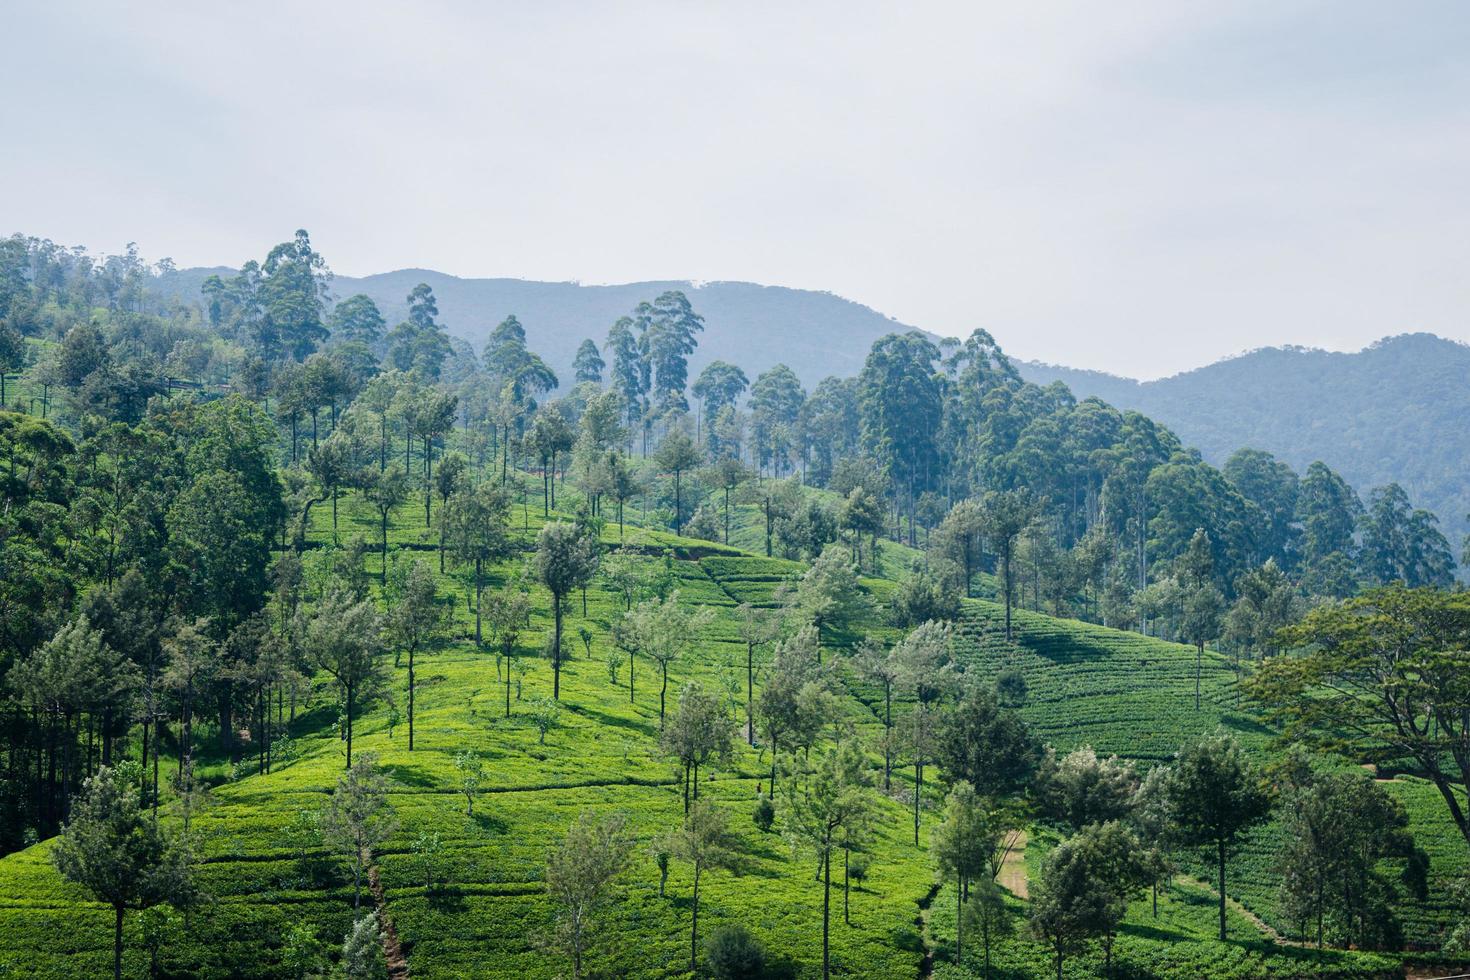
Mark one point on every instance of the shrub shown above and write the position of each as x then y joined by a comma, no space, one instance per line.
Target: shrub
1011,688
733,953
765,813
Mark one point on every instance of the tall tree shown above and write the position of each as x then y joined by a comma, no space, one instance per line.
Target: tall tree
345,639
113,850
358,817
1215,793
1004,517
476,519
293,292
1380,677
415,621
900,393
718,386
833,800
667,328
677,455
357,318
566,559
588,364
705,842
579,875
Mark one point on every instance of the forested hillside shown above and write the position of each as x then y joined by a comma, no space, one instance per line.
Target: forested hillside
1388,413
333,645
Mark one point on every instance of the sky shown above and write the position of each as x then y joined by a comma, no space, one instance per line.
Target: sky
1139,188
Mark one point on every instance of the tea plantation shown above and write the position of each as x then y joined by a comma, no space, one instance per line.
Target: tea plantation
466,894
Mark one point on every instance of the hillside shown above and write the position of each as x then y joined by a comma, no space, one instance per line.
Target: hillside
814,333
477,915
1390,412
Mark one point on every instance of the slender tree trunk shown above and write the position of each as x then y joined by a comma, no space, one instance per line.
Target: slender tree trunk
694,924
1222,890
383,577
750,694
410,698
827,915
556,655
959,921
117,924
350,693
664,664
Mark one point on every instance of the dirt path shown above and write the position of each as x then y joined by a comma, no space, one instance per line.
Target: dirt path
1243,912
1013,868
392,950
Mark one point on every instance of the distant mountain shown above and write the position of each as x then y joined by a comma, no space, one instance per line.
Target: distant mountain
1395,411
816,334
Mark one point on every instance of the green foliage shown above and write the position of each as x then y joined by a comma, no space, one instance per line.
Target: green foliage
732,953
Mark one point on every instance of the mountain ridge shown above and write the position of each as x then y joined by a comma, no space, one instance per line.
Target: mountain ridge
1390,412
816,333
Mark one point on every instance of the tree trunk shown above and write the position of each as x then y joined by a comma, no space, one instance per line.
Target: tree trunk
694,925
750,694
410,698
664,664
556,655
479,595
350,693
959,922
1222,891
1199,658
117,942
826,915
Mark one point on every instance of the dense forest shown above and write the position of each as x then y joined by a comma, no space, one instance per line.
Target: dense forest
925,641
1384,414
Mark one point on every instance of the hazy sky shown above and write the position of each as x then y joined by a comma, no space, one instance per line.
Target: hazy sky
1134,187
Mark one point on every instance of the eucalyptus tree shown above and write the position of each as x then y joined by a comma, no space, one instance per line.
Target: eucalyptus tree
1004,517
718,386
667,327
776,399
588,364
